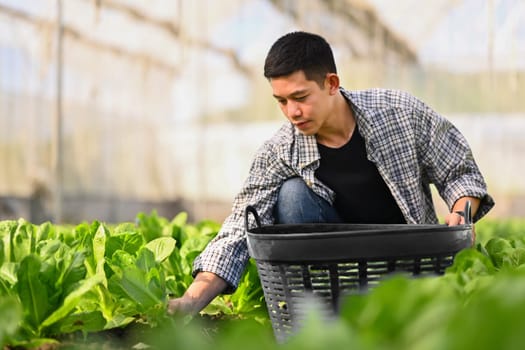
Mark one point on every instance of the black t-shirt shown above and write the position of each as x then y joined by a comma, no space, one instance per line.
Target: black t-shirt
361,193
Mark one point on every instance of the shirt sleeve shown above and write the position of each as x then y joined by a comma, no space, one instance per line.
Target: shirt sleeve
227,254
448,160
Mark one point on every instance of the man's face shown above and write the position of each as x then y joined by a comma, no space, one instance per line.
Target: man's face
302,101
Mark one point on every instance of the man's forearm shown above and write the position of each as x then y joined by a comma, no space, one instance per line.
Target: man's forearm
205,287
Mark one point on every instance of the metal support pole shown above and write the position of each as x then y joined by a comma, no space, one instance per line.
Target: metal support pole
57,147
490,45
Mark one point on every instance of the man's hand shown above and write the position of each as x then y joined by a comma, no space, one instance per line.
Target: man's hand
200,293
454,218
184,305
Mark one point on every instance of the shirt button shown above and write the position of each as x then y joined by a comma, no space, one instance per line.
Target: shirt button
309,183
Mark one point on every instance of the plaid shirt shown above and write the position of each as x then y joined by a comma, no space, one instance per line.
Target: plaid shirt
411,145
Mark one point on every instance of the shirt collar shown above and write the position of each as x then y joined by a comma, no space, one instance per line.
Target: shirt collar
362,116
365,122
308,151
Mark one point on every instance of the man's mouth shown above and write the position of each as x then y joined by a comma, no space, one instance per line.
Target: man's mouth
302,125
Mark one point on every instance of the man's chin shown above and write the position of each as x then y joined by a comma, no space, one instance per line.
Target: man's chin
305,132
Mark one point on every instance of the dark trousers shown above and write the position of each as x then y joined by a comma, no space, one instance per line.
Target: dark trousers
298,204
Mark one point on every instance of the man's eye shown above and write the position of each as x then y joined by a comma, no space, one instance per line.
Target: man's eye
299,99
281,102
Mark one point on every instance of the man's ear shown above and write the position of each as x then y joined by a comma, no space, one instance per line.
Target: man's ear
332,83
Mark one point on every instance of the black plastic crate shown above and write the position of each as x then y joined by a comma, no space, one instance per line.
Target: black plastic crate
325,262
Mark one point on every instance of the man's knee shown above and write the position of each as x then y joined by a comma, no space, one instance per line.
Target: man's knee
296,203
293,190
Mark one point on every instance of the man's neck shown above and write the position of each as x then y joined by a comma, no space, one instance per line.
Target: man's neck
340,127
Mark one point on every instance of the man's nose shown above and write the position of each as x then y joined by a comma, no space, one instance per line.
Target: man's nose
293,110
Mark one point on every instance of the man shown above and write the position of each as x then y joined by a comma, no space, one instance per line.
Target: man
356,157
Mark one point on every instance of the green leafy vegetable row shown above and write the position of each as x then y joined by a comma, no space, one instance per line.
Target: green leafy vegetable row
94,278
56,280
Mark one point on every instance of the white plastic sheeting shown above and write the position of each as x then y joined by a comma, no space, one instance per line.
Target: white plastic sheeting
151,91
461,35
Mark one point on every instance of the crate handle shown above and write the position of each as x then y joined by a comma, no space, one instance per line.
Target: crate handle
466,213
250,209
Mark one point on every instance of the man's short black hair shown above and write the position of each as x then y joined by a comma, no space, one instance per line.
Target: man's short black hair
304,51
